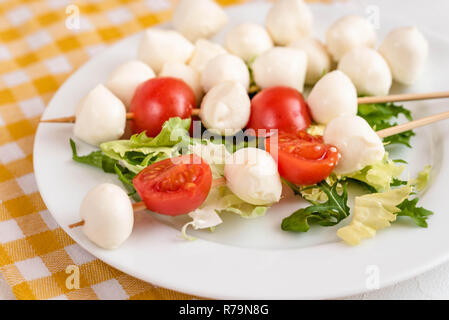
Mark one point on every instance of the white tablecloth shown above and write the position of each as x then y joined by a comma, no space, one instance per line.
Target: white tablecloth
433,284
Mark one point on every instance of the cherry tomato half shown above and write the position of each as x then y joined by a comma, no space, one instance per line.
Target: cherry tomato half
157,100
302,159
281,108
174,186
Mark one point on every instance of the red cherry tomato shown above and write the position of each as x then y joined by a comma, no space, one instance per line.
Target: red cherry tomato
174,186
302,159
281,108
157,100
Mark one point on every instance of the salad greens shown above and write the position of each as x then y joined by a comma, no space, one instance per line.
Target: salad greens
423,178
335,186
376,211
140,151
327,213
373,212
385,115
418,214
380,176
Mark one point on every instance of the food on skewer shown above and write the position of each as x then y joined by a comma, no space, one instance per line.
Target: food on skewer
332,96
279,108
225,109
100,117
108,215
248,40
302,159
197,19
159,46
318,59
406,51
205,51
224,67
252,175
358,144
281,67
170,171
347,33
368,71
289,20
157,100
124,80
187,74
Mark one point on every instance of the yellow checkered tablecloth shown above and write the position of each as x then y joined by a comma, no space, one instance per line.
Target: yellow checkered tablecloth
37,53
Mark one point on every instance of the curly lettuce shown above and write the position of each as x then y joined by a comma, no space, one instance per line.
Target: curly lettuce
140,151
380,175
373,212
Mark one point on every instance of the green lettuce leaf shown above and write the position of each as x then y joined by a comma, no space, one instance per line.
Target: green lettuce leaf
140,151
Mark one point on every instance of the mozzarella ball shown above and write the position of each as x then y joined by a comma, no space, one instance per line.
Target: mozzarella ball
289,20
281,67
100,117
198,18
332,96
205,51
108,216
226,108
406,51
368,71
160,46
318,59
248,40
357,143
225,67
124,80
348,33
252,174
186,73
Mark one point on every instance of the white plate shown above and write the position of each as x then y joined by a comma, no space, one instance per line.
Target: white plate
253,258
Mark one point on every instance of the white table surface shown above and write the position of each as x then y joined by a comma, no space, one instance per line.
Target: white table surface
433,284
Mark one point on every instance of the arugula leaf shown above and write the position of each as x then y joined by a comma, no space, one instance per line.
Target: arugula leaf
384,115
95,158
325,214
419,215
400,138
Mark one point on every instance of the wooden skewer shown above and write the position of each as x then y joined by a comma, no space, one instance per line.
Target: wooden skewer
140,206
364,100
71,119
404,97
412,125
